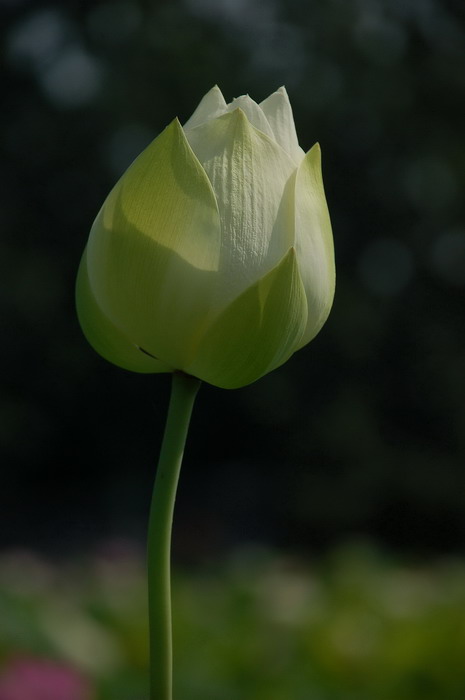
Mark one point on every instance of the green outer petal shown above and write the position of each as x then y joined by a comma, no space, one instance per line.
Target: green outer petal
314,242
103,335
211,105
248,172
153,252
278,111
258,332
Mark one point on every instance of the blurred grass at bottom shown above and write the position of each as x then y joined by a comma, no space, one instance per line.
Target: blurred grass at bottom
355,624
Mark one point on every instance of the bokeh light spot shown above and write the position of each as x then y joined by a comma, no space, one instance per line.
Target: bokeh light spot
37,39
73,79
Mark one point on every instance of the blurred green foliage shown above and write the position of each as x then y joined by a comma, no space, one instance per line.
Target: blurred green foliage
355,624
363,431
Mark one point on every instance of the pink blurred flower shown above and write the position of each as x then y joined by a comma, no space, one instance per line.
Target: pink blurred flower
41,679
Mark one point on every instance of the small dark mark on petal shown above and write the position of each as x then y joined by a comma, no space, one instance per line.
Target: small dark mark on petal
146,353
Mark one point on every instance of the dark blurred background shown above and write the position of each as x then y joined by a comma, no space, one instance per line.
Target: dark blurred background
360,434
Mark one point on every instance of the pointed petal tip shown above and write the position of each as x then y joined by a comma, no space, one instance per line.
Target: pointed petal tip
280,92
314,153
290,260
240,97
238,115
289,255
211,104
216,88
175,127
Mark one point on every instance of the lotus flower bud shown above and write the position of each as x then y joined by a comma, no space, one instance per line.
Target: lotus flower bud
213,254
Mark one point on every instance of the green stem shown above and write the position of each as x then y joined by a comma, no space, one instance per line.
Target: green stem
183,392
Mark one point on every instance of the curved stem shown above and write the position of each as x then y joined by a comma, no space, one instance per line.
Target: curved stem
183,392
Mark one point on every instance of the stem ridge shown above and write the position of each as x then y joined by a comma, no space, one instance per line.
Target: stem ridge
183,392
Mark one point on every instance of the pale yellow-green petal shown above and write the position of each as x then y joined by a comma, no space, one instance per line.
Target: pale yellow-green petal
278,111
153,252
104,336
258,332
253,112
314,242
211,105
248,172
